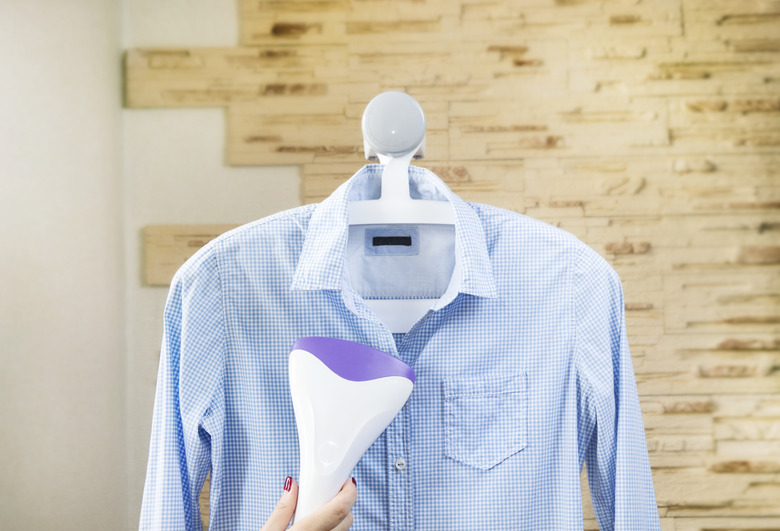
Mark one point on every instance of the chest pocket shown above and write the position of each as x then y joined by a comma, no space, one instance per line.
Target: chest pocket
484,418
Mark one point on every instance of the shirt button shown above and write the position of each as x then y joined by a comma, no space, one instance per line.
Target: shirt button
400,463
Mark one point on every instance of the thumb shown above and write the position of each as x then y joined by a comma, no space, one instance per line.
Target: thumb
285,507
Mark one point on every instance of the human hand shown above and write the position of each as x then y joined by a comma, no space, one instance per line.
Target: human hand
333,516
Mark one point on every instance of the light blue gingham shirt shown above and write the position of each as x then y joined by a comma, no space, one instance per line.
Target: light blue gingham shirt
523,374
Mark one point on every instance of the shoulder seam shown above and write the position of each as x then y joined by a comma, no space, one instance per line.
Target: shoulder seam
573,257
576,253
223,313
580,372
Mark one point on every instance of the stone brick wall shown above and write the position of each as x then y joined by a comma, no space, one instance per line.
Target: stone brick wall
650,129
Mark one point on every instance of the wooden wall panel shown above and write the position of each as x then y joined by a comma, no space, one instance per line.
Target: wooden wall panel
167,247
650,129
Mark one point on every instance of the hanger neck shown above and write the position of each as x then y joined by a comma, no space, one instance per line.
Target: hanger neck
395,205
395,178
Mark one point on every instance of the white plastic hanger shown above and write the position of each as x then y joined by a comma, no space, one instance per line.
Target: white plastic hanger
394,132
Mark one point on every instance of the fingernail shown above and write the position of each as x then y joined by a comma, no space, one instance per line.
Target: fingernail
354,482
288,484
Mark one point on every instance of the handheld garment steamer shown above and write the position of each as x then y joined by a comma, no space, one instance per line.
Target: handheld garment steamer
344,395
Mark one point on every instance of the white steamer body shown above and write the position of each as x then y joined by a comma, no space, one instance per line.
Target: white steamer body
338,419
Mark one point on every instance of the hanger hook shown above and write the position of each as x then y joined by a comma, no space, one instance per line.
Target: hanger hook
393,125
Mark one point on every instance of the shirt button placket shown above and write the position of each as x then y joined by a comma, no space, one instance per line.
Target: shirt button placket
401,517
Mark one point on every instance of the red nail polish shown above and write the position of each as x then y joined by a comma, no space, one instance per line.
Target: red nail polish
288,484
354,482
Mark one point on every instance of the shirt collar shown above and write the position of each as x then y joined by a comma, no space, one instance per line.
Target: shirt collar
321,263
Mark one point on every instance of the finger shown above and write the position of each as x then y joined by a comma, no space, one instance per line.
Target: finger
330,515
285,507
345,524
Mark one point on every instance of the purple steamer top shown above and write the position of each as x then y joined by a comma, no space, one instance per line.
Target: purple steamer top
354,361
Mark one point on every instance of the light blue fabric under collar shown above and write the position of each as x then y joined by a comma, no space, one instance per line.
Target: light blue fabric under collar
321,263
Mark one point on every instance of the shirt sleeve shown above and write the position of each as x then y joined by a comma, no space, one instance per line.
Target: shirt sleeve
188,409
611,432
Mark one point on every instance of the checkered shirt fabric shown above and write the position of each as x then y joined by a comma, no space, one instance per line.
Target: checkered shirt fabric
522,375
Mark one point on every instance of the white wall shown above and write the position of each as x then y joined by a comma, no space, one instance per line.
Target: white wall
62,382
79,179
175,173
